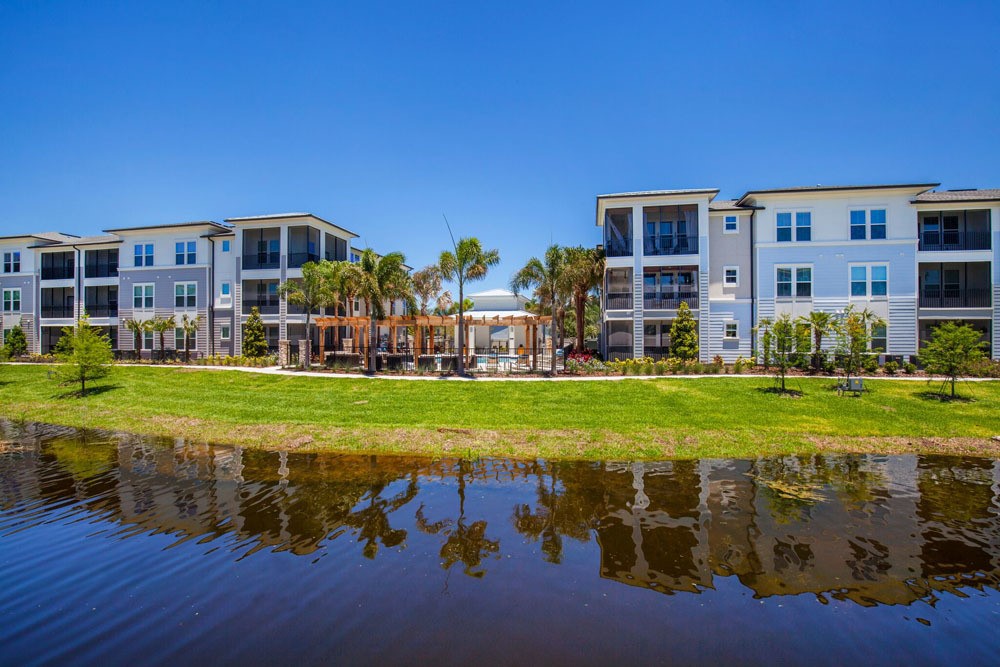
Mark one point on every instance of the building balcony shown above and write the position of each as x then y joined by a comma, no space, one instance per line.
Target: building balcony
100,271
973,297
669,300
618,301
953,240
619,352
265,306
57,311
670,245
297,259
264,260
105,310
58,272
618,247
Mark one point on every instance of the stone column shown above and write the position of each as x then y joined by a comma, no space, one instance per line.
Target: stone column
304,352
283,353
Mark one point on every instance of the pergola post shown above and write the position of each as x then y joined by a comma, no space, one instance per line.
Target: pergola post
322,344
534,347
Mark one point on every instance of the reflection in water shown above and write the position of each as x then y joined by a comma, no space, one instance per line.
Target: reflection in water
872,530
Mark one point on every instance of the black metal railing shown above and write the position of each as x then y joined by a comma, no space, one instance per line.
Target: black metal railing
670,245
107,310
297,259
618,301
669,300
656,352
58,272
619,352
354,355
265,306
57,311
262,260
618,248
975,297
939,240
100,270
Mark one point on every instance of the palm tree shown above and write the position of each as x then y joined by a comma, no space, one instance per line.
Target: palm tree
380,280
161,325
315,290
586,272
137,328
821,324
427,286
468,263
190,326
551,279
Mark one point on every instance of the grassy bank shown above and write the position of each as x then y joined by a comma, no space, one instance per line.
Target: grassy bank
719,417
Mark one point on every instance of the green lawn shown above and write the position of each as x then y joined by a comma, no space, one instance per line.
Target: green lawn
710,417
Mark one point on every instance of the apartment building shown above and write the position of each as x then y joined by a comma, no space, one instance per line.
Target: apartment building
913,255
214,271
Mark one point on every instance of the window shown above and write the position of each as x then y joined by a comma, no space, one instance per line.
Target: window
147,340
185,295
226,245
732,330
731,225
186,252
870,280
142,297
225,332
731,276
226,291
868,224
880,339
143,254
803,226
800,287
179,339
784,227
12,261
12,300
355,257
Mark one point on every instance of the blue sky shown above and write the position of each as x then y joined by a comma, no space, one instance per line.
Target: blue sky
507,117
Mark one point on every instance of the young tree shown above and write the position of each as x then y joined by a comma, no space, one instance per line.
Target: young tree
550,279
314,291
785,339
190,326
467,263
138,329
853,330
820,323
380,280
766,340
952,351
254,340
586,273
684,334
427,286
160,326
17,343
85,354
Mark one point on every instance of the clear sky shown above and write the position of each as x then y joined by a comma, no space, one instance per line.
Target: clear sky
507,117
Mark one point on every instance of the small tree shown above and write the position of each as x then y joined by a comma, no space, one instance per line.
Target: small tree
952,351
820,323
786,339
684,334
190,326
160,326
854,336
17,342
85,354
254,340
766,341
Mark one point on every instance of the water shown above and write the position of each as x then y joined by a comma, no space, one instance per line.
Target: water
125,550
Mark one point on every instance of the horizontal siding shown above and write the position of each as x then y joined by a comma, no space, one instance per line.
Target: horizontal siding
902,326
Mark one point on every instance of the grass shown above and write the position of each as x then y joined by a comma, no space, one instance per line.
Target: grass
628,419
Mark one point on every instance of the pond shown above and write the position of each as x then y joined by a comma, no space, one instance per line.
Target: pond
121,549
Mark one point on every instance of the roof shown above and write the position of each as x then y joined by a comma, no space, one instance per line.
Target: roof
196,223
492,293
283,216
660,193
728,205
831,188
490,314
54,237
101,239
987,194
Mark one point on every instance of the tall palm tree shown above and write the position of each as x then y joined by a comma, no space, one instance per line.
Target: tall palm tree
821,323
427,286
315,290
161,325
586,273
550,279
468,263
137,328
190,326
380,280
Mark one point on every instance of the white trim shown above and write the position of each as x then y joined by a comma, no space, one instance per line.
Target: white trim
144,265
868,296
726,324
225,332
725,269
794,226
20,261
185,243
725,222
867,210
186,295
3,300
152,297
794,283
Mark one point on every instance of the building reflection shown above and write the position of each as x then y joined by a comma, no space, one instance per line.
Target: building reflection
869,529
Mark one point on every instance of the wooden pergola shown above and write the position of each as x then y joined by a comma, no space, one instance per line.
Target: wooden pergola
423,326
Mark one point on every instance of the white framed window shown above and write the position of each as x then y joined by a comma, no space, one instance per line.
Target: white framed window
185,295
225,332
12,300
179,339
142,296
880,338
12,261
226,245
147,340
143,253
802,226
869,280
793,282
731,224
185,252
226,291
732,331
731,276
867,223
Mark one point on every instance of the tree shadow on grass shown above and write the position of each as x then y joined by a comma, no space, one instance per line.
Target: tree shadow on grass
940,397
91,391
778,391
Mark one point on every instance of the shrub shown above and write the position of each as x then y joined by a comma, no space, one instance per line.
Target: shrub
17,342
869,364
909,368
890,367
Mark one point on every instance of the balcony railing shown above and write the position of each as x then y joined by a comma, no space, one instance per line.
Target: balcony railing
954,240
619,352
262,260
103,310
100,271
618,248
297,259
265,306
57,311
670,245
656,352
974,297
618,301
58,272
669,300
